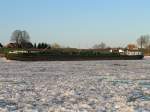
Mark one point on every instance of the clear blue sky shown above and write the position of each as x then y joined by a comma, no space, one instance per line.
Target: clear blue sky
76,23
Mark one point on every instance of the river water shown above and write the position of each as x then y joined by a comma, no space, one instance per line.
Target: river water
75,86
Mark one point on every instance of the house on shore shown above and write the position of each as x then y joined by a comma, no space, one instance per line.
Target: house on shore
11,45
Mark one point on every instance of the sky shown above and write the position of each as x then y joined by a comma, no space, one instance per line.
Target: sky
76,23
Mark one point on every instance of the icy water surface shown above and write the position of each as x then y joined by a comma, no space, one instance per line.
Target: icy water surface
86,86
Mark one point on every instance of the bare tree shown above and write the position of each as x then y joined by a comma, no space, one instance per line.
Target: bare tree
20,37
55,45
101,45
144,41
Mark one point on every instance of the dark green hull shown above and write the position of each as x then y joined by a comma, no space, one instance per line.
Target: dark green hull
71,58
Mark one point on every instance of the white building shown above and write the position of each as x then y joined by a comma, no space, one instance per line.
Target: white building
133,53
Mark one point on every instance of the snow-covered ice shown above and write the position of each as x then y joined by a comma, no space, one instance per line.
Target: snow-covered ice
75,86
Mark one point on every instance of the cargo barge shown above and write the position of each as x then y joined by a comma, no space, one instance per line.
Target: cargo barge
73,55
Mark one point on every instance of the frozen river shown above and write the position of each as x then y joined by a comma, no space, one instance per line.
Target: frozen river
87,86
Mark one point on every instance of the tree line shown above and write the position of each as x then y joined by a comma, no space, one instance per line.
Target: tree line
21,39
143,42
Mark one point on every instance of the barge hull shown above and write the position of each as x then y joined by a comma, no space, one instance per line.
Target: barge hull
74,58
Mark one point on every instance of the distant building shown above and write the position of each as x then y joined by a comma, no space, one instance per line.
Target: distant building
132,47
11,45
23,45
